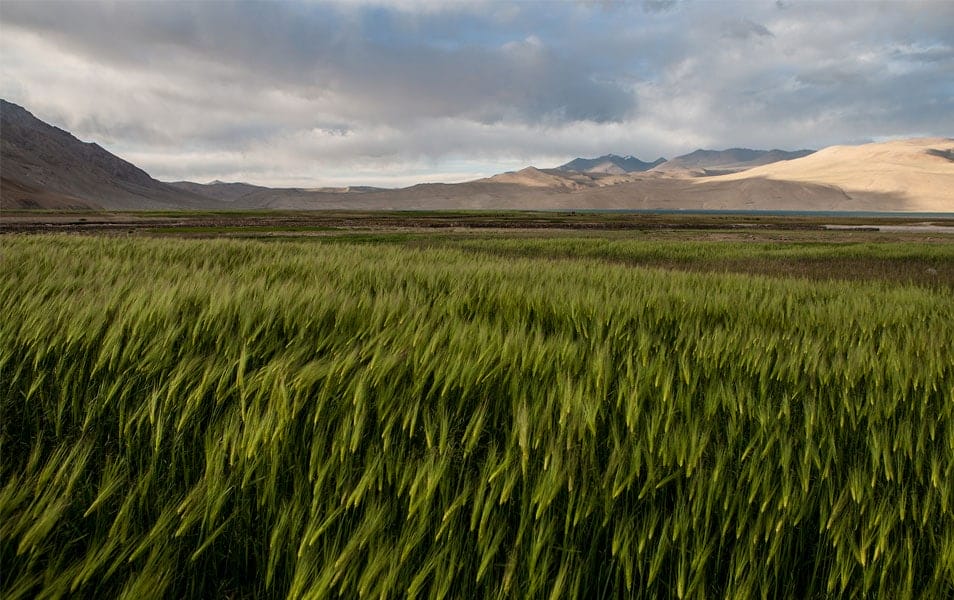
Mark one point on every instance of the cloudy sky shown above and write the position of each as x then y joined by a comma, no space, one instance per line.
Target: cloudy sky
397,92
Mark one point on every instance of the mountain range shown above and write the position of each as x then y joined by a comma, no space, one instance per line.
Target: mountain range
44,167
610,164
697,163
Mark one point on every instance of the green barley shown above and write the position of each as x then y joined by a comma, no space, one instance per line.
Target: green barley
310,420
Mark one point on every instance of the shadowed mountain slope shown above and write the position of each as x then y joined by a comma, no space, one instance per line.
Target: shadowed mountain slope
720,162
42,166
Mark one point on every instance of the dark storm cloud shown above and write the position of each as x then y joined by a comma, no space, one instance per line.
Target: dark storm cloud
309,91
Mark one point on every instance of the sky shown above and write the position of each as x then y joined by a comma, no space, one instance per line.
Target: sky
392,93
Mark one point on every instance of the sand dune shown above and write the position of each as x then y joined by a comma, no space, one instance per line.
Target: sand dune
919,172
706,163
535,178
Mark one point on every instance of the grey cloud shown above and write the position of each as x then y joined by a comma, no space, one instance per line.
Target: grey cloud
285,92
830,75
936,54
657,6
333,55
835,76
743,29
648,6
519,82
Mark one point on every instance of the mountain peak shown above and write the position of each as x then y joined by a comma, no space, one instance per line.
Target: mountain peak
609,163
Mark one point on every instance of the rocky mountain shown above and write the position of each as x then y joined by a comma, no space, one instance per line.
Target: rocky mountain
610,164
43,166
721,162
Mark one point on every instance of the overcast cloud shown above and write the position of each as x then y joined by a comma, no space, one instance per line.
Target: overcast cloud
392,93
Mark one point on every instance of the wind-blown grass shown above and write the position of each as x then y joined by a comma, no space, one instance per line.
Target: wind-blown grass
243,419
927,264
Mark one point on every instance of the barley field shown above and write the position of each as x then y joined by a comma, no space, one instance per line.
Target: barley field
295,419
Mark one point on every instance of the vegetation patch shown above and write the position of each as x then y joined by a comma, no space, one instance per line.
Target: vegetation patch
239,419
